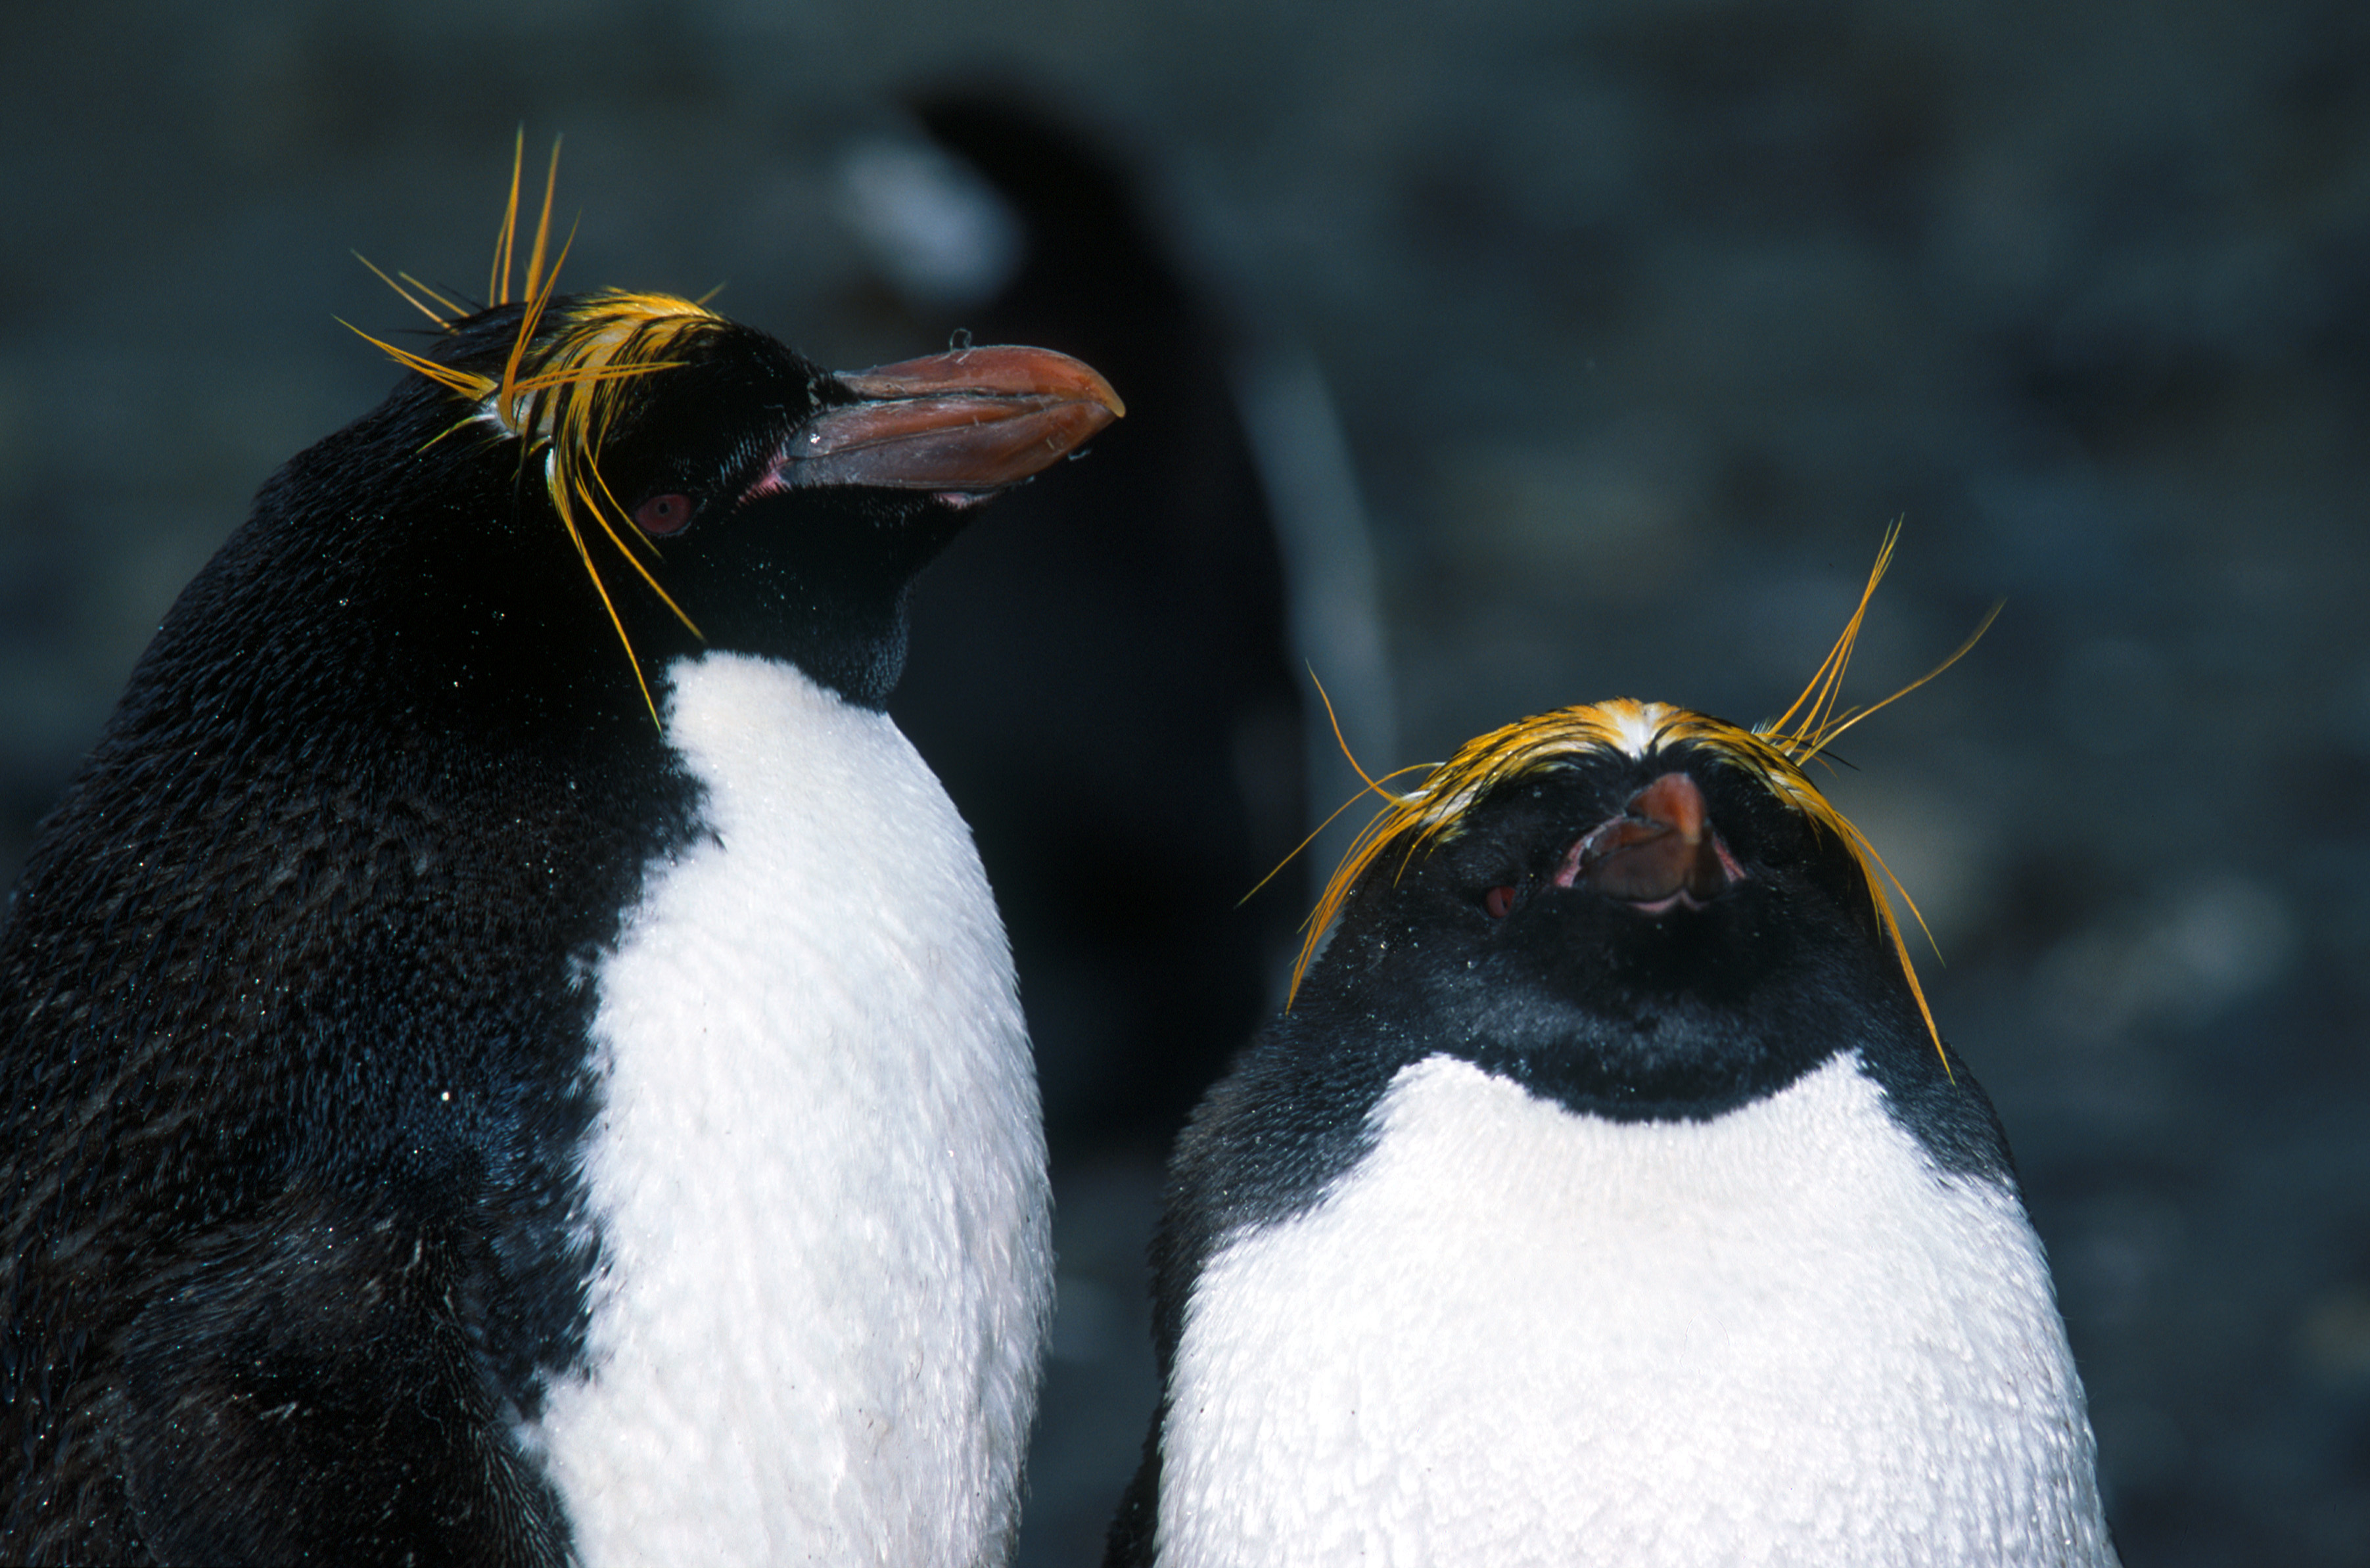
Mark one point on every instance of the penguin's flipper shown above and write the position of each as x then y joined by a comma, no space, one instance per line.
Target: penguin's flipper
304,1386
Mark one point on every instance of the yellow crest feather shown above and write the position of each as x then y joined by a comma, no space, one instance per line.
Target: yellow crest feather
563,382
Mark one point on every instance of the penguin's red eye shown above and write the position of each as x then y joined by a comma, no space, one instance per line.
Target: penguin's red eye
662,514
1498,902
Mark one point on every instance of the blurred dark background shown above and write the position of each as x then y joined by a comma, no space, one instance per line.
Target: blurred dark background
1558,351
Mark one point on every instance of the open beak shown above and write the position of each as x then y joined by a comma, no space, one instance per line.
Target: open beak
1659,854
967,422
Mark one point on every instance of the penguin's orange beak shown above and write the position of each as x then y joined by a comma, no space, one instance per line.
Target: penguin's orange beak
966,422
1660,854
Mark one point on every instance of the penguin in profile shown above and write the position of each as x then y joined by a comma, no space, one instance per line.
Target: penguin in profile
1606,1195
512,1056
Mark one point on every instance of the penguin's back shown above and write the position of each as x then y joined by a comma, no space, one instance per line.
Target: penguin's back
1513,1333
816,1170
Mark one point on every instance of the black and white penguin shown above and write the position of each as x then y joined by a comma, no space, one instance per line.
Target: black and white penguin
511,1059
1607,1196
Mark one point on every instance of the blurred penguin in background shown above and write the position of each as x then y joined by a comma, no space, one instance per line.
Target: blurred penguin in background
1112,679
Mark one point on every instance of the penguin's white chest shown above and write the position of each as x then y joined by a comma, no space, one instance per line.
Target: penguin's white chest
1515,1335
818,1172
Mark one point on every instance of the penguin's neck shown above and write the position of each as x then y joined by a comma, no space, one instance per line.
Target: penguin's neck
816,1179
1516,1334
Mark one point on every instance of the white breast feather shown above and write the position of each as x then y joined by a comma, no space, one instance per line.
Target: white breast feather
1514,1335
818,1172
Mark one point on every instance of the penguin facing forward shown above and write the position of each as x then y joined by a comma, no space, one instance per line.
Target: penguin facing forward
512,1057
1605,1194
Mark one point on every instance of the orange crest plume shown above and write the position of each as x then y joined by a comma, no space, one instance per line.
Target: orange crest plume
569,373
1773,752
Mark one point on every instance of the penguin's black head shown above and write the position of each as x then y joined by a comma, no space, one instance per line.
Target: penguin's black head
1643,911
701,485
